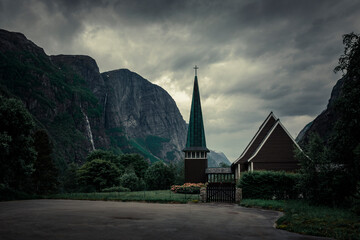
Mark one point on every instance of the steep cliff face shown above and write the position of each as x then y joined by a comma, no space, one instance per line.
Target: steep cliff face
85,67
146,114
83,109
323,124
58,98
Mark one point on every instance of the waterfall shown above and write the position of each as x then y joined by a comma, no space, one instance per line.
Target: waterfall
88,130
105,100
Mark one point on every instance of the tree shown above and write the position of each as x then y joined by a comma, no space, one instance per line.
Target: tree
98,174
331,175
136,162
159,176
46,173
5,142
349,61
316,181
345,140
178,168
17,153
105,155
70,178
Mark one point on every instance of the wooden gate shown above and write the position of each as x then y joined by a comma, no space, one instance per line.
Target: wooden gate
221,192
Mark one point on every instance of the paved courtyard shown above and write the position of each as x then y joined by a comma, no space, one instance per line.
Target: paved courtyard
75,219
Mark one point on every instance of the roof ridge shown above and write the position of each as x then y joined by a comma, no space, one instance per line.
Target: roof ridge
256,135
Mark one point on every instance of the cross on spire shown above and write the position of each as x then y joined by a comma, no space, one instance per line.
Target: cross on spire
196,68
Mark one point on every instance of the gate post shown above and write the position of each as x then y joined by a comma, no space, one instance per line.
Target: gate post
203,194
238,195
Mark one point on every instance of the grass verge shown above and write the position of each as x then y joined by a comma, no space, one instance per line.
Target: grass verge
277,205
303,218
159,196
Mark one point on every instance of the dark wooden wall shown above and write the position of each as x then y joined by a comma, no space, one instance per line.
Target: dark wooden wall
195,170
277,153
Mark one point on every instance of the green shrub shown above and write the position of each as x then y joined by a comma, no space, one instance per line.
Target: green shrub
132,182
116,189
269,185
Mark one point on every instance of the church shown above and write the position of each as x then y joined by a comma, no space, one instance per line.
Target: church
272,148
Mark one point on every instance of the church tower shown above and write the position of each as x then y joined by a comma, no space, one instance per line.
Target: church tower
195,150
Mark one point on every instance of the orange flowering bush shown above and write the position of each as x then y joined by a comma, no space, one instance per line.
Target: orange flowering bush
193,188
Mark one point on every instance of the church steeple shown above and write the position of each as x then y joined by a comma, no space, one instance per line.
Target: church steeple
196,133
195,150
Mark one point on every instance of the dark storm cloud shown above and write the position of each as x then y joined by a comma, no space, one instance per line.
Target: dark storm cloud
265,26
254,55
132,11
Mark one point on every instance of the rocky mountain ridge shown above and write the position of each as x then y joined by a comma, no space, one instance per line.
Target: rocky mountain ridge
144,111
83,109
216,158
324,123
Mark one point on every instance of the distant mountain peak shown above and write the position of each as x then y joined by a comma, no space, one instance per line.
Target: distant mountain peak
215,158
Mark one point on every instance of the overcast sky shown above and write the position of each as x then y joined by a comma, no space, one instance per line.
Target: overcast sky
254,56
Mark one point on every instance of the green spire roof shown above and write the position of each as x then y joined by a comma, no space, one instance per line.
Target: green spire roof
196,133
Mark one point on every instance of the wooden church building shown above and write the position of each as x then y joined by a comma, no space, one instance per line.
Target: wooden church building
272,148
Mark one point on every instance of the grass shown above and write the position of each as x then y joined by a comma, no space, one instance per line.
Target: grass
277,205
303,218
160,196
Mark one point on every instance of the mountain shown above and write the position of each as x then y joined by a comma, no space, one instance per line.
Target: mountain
145,113
324,123
215,158
83,109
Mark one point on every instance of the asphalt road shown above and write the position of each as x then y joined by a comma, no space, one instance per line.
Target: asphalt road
75,219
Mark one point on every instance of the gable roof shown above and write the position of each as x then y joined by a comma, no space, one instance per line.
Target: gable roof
262,132
277,124
260,138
